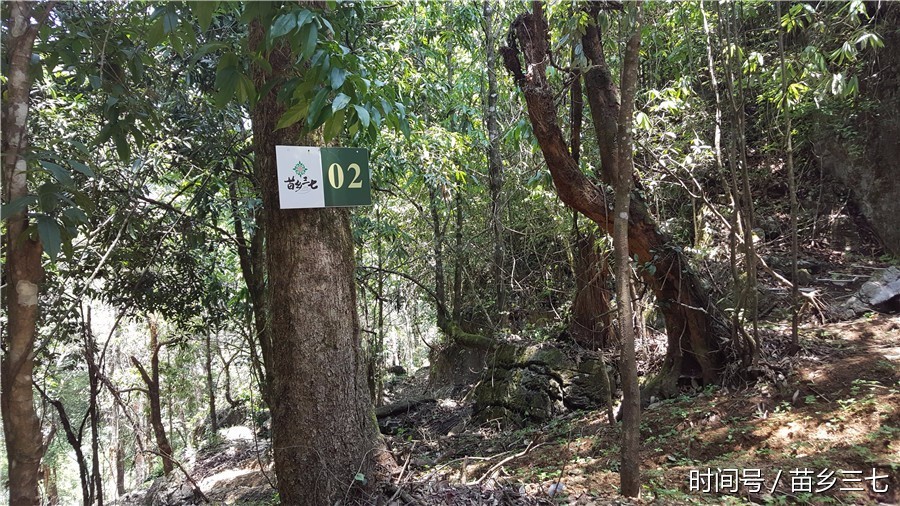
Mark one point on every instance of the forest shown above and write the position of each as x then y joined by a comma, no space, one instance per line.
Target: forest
485,252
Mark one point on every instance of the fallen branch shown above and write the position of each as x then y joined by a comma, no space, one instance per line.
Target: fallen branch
401,407
404,495
400,477
498,465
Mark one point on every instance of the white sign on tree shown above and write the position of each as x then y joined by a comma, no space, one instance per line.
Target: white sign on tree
310,177
299,177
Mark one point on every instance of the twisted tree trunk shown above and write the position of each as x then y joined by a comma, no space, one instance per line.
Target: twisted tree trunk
695,327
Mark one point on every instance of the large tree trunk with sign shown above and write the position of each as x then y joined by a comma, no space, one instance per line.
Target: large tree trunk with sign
695,327
323,424
23,271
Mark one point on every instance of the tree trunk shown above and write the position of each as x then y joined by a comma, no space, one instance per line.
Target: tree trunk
211,386
792,188
96,489
693,324
458,258
23,270
253,268
117,452
151,380
591,321
74,438
440,292
323,427
495,162
591,325
629,470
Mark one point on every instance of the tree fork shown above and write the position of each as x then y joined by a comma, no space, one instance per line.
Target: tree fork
697,333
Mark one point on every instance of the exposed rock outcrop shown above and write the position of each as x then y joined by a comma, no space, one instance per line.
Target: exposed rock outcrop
881,293
533,383
864,155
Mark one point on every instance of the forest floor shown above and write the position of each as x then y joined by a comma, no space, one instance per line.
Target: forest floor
808,427
834,409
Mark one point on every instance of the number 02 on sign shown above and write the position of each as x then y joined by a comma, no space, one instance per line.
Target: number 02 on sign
311,177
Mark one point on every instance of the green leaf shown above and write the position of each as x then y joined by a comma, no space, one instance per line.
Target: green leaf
283,25
62,175
155,34
338,75
363,115
17,205
246,90
123,149
315,108
334,124
170,21
227,77
47,197
291,116
67,248
48,231
309,35
204,11
303,17
75,214
80,167
340,102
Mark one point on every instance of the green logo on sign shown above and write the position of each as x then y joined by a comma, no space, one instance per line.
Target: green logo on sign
300,169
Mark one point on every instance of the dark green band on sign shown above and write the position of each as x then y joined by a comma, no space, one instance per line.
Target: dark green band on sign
346,177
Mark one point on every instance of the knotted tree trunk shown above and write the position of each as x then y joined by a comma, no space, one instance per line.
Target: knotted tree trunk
698,335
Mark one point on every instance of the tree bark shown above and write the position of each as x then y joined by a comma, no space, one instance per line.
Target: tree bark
693,324
440,292
629,471
251,257
323,426
591,325
93,367
458,258
211,386
74,438
151,380
792,189
495,162
23,270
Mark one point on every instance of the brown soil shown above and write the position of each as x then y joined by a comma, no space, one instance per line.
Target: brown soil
835,407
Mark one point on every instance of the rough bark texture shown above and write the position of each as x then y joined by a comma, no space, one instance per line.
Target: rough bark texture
211,386
23,271
591,325
694,325
323,427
